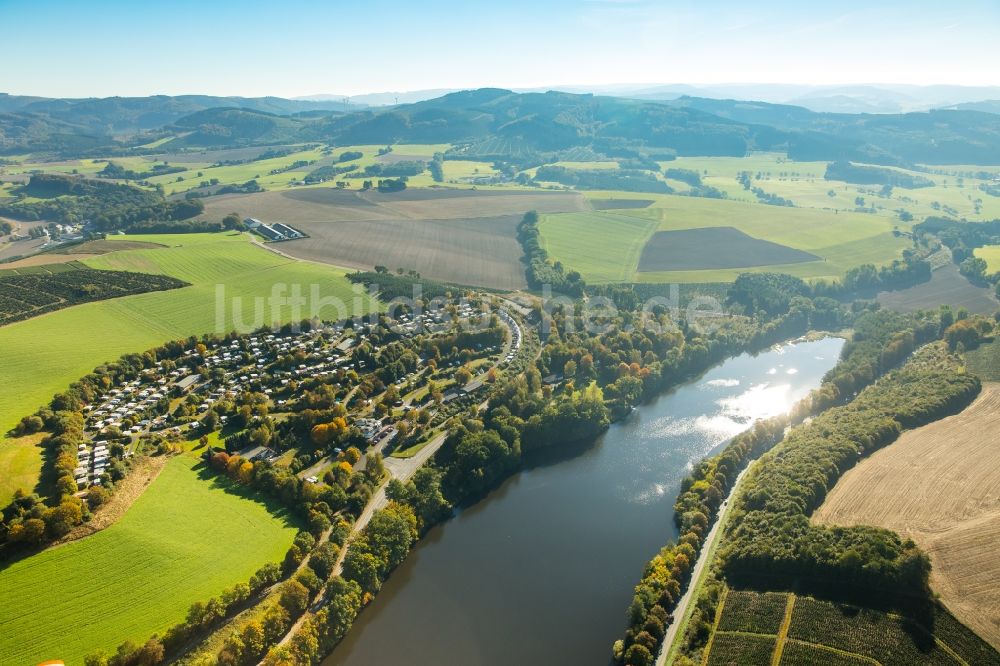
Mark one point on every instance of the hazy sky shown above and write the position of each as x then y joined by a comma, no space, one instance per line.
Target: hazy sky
138,47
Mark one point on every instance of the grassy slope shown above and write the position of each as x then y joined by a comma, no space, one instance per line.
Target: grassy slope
21,462
184,540
41,356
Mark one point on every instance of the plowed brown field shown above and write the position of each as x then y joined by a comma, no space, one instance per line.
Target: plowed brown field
461,236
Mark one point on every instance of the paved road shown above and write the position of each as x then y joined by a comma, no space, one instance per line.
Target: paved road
704,556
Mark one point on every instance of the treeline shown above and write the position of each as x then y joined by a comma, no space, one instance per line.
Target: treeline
540,271
106,206
763,196
26,296
371,556
774,293
327,172
396,169
625,180
402,285
870,175
177,227
771,537
118,172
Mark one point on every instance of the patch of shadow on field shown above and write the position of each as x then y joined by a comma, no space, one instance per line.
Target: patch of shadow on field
481,251
712,248
620,204
273,506
946,287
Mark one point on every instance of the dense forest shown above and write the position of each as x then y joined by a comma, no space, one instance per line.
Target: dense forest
494,123
103,205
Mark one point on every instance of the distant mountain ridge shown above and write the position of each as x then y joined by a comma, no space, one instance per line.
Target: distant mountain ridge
495,123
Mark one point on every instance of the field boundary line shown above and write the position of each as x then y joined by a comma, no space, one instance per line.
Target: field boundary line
827,648
715,625
786,622
752,634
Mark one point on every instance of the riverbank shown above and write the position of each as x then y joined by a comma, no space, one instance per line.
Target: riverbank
550,556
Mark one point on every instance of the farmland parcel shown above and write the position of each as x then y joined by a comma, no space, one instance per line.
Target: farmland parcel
184,540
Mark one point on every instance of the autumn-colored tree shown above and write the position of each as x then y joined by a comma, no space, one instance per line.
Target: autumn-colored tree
352,455
96,497
63,518
31,531
294,597
320,434
252,636
463,376
233,466
220,461
245,475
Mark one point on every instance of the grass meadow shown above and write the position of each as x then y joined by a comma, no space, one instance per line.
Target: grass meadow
184,540
21,462
991,255
606,246
43,355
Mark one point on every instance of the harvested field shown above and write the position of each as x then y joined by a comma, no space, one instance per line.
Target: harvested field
618,204
453,235
328,204
477,251
940,486
947,286
75,253
714,248
44,259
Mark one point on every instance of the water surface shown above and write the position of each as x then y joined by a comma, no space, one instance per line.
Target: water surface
542,570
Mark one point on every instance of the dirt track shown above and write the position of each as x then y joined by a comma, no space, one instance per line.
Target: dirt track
940,486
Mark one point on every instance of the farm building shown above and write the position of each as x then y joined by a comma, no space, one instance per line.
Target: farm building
287,231
269,232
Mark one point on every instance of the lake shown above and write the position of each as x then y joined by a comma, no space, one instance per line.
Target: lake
541,571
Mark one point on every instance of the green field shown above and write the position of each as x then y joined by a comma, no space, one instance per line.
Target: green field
991,255
605,246
41,356
803,183
21,462
184,540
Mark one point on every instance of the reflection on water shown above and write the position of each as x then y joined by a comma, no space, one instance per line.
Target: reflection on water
542,570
